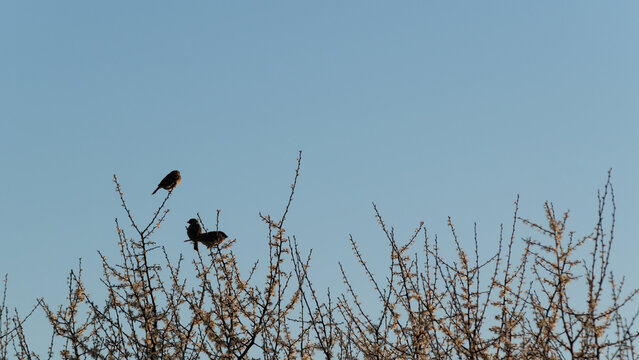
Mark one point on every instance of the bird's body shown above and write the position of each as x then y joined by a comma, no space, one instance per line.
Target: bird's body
209,239
169,182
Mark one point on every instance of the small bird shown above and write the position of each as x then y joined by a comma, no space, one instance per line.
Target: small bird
169,182
212,238
209,239
194,231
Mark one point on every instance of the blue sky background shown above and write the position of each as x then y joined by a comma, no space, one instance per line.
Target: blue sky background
428,109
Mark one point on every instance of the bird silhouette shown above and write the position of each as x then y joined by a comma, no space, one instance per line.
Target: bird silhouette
212,238
194,231
209,239
169,182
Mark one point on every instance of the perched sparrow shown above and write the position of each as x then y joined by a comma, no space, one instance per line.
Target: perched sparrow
212,238
194,231
169,182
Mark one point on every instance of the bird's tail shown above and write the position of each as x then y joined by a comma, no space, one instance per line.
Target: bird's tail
194,244
156,190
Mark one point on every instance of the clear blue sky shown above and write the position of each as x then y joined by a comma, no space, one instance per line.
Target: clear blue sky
430,109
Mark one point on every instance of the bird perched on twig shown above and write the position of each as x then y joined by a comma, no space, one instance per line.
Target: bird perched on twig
212,238
209,239
194,231
169,182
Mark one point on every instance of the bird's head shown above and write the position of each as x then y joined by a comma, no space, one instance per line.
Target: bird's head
193,221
